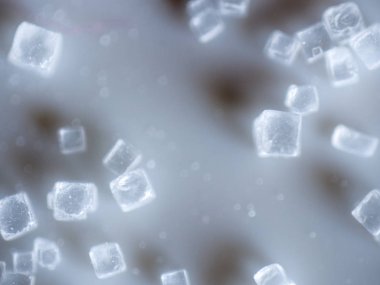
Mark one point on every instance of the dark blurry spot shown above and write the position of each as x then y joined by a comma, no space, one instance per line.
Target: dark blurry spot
177,7
47,121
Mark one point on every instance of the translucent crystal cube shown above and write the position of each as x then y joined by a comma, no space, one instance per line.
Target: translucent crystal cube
272,274
24,262
107,260
73,200
302,100
366,45
16,216
17,279
237,8
121,157
47,253
342,67
178,277
343,21
207,25
3,267
281,47
314,41
277,134
35,48
72,139
132,190
367,213
354,142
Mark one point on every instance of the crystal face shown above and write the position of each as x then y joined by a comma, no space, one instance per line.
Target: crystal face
354,142
277,134
24,262
72,140
302,100
3,267
237,8
272,274
47,253
178,277
282,48
16,216
35,48
17,279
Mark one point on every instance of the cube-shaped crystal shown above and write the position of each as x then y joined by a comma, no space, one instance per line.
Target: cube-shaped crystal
3,268
207,25
237,8
17,279
281,47
16,216
73,200
121,157
47,253
343,21
278,134
342,67
178,277
107,260
366,45
24,262
303,99
272,274
35,48
314,41
72,139
132,190
351,141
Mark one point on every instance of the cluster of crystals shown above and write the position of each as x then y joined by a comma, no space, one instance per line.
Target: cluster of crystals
272,274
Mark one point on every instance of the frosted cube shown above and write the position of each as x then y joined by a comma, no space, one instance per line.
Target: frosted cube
35,48
72,140
237,8
342,67
272,274
132,190
72,200
366,45
354,142
47,253
178,277
277,134
207,25
3,268
302,100
24,262
121,157
107,260
343,21
281,47
314,41
17,279
16,216
367,213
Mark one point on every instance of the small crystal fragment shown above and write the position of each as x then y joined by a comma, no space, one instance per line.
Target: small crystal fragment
302,100
72,139
272,274
24,262
282,48
237,8
47,253
178,277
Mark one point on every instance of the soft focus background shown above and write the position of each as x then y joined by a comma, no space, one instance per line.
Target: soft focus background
132,69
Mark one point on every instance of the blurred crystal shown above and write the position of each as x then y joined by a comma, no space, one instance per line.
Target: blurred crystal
24,262
354,142
47,253
272,274
178,277
35,48
342,67
314,41
132,190
107,260
281,47
17,279
303,99
277,134
16,216
343,21
72,139
121,157
3,268
237,8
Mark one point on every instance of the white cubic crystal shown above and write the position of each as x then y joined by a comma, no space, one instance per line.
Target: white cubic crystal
24,262
303,99
366,45
207,25
132,190
121,157
47,253
17,279
277,134
107,260
367,213
354,142
281,47
3,268
314,41
343,21
35,48
73,200
272,274
178,277
16,216
342,67
72,139
237,8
